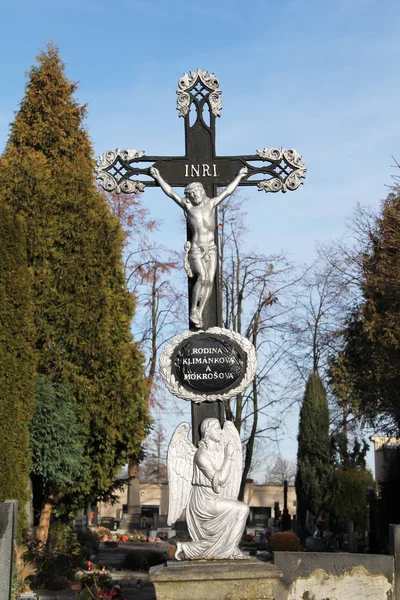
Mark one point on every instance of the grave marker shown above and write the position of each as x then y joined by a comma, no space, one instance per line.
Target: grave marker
8,529
270,169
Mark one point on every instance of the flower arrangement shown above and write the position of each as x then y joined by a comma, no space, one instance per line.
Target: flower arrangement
103,534
24,567
319,528
137,536
99,587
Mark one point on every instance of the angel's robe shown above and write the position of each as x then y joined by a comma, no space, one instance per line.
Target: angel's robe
215,523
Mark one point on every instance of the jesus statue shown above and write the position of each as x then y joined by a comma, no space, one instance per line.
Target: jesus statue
201,252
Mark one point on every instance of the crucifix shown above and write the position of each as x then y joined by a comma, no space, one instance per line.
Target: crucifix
202,173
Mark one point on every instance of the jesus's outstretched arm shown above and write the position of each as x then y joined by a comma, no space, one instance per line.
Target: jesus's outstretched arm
231,187
166,188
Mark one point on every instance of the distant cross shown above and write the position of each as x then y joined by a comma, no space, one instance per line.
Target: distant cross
199,103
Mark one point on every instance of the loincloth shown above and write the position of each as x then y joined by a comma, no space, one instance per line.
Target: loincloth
202,252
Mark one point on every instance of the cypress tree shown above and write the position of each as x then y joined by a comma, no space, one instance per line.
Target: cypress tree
17,363
83,310
314,460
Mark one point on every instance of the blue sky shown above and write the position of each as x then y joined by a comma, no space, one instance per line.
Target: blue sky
316,76
321,77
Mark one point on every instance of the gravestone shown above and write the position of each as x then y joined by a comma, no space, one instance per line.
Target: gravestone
286,520
206,365
8,528
129,522
270,170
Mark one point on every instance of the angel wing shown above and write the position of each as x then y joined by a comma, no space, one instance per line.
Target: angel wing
231,434
180,471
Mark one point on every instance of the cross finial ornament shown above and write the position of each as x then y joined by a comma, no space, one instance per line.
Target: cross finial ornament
199,90
199,87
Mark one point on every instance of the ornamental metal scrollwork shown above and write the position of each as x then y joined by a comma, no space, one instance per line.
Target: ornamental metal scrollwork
188,83
109,161
270,185
272,154
289,167
183,103
215,101
208,79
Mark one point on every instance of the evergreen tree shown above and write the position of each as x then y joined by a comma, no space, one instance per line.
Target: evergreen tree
348,496
314,459
17,363
56,444
368,366
83,310
348,500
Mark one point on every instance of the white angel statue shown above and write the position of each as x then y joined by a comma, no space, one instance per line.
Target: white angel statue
205,482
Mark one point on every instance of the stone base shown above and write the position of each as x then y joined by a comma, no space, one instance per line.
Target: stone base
216,580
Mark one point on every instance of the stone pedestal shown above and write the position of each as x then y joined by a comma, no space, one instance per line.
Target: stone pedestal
216,580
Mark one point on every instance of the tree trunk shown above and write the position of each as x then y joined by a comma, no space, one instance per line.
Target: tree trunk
250,444
345,436
42,530
239,412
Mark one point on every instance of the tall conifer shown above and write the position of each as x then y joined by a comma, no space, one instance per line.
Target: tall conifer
83,310
314,460
368,367
17,363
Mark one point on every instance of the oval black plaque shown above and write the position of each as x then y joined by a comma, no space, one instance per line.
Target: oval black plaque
209,363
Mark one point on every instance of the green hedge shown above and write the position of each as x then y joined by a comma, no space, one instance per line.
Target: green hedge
17,363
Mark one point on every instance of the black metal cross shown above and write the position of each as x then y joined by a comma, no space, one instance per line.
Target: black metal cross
199,103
